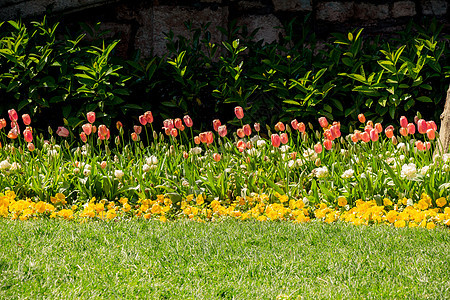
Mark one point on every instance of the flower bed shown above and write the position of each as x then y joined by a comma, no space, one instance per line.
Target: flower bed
300,172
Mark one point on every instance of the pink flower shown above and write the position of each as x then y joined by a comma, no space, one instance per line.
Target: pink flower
276,140
62,131
26,119
13,115
137,129
335,131
432,125
403,122
422,126
323,122
318,148
91,117
209,137
178,123
103,132
216,124
411,128
327,144
379,127
188,121
174,132
247,130
420,146
374,135
148,115
284,138
365,137
241,146
30,147
222,130
87,128
28,135
294,124
239,112
257,127
168,124
2,123
197,140
83,137
134,136
301,127
404,131
142,120
389,131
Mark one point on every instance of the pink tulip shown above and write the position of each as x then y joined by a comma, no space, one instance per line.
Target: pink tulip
318,148
188,121
202,136
247,130
87,128
26,119
323,122
143,120
257,127
83,137
222,130
403,122
432,125
422,126
174,132
241,146
216,124
2,123
284,138
411,128
62,131
103,132
420,146
365,137
197,140
148,115
276,140
335,131
389,131
328,144
294,124
209,137
137,129
427,145
13,115
28,135
374,135
239,112
91,117
178,123
354,138
168,124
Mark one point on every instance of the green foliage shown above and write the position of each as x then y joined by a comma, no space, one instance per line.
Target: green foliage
204,77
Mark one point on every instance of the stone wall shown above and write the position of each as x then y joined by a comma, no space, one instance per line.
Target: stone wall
141,24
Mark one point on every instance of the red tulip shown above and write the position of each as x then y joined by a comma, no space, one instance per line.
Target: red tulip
188,121
365,137
87,128
91,117
143,120
216,157
276,140
178,123
362,118
374,135
284,138
247,130
328,144
280,126
403,122
422,126
301,127
148,115
83,137
13,115
26,119
323,122
239,112
28,135
216,124
294,124
137,129
318,148
411,128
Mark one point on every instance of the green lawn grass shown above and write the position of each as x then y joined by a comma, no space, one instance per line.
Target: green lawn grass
225,260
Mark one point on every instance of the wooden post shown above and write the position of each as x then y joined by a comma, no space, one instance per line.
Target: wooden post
444,132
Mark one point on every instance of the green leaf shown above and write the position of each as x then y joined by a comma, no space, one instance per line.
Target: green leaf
424,99
292,102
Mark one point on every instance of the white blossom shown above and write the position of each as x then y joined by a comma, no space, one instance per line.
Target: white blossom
409,171
348,174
